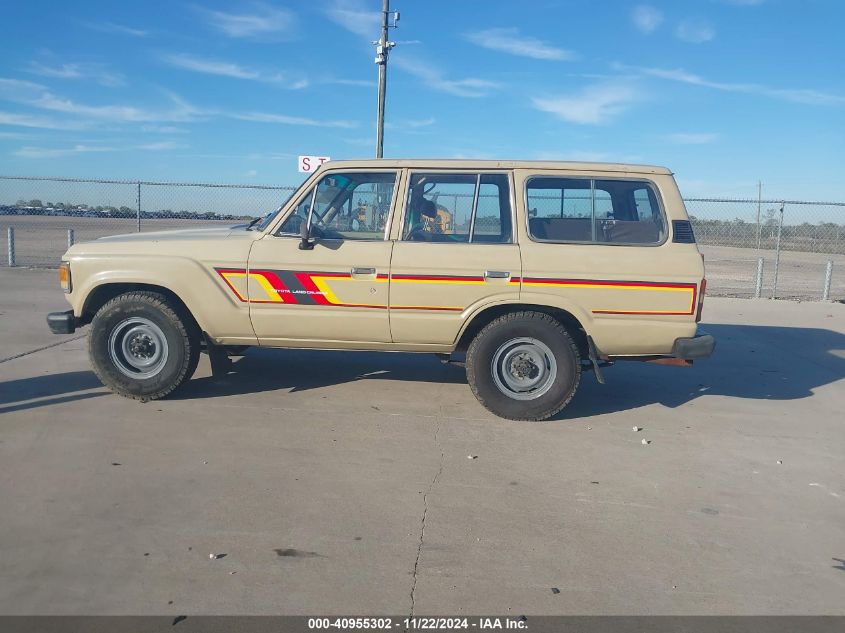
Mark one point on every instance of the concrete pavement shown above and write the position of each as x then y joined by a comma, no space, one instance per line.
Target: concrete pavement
341,482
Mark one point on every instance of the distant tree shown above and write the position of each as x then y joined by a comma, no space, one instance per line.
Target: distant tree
35,203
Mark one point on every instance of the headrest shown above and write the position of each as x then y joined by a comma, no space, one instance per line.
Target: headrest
427,208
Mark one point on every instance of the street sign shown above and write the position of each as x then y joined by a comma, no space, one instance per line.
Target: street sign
308,164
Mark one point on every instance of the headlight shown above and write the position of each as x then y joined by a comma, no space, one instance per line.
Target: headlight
64,276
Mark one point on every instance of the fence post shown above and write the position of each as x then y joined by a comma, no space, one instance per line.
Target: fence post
828,276
777,251
139,206
10,235
70,238
758,290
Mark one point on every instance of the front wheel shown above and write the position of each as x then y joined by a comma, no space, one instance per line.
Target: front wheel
142,346
523,366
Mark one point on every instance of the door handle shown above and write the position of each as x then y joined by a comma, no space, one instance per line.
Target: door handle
496,274
363,271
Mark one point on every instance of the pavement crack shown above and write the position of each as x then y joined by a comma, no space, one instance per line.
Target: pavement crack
41,349
424,516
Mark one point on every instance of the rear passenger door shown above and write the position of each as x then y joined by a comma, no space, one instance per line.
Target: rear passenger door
455,252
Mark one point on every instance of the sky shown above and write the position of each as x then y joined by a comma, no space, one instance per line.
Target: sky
724,92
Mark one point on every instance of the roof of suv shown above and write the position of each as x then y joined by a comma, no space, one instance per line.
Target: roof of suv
434,163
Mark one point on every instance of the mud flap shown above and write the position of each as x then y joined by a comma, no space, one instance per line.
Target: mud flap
221,364
594,359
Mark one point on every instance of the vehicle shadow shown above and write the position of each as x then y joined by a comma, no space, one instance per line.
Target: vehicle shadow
19,394
751,361
302,370
758,362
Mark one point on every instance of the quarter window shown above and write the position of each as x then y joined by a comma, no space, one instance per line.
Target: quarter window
458,208
594,211
346,206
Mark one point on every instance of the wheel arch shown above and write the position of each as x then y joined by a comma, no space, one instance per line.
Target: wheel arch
566,318
103,293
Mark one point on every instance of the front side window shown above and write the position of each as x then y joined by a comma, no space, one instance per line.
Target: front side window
459,208
346,206
594,211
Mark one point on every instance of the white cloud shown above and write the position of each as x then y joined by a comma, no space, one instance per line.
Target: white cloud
284,119
418,123
355,17
53,152
695,31
77,71
646,18
230,69
28,120
596,104
510,40
164,129
692,138
410,125
118,29
39,96
265,22
434,79
796,95
159,146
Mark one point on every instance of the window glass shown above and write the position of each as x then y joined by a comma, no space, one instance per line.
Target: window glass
595,211
440,208
493,214
628,216
347,206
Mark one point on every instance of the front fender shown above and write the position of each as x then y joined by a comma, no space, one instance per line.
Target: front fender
214,309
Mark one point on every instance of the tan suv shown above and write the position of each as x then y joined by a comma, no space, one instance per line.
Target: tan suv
535,270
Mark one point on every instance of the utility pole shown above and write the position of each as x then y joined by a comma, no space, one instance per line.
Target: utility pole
383,46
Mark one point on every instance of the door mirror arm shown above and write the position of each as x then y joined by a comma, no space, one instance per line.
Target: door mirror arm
307,242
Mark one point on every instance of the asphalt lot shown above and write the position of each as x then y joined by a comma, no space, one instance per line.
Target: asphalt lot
341,484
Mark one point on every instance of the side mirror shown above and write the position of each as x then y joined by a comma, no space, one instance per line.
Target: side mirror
307,242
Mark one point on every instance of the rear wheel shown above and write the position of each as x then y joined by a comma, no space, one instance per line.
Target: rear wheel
143,346
523,366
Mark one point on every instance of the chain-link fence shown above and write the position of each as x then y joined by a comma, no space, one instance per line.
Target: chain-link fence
786,249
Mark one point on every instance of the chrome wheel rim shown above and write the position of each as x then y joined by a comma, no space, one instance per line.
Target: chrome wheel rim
524,368
138,348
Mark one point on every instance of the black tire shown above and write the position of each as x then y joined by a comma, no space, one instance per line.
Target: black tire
156,318
494,341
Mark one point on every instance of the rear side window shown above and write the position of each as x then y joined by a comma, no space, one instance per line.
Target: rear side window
449,208
594,211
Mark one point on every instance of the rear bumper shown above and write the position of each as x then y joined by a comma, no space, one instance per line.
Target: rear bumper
62,322
693,348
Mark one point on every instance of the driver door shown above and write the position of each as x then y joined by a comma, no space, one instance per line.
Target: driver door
338,290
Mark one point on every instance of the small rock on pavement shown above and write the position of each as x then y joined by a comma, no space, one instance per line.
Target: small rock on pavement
555,590
637,429
780,461
646,442
472,456
216,556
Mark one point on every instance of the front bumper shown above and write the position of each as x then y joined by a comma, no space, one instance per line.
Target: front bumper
693,348
62,322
